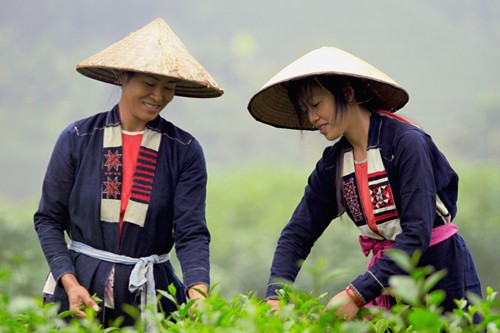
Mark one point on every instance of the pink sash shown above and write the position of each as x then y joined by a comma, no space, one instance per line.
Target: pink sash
378,247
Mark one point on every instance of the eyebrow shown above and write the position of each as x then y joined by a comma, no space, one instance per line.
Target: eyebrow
157,79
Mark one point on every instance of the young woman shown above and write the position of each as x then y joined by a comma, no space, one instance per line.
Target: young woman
384,172
126,185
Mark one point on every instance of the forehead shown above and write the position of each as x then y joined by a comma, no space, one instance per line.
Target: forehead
309,91
163,79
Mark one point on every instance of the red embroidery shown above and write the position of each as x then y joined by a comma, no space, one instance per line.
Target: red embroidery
381,196
352,200
111,188
113,160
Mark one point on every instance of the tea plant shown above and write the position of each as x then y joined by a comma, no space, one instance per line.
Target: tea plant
417,310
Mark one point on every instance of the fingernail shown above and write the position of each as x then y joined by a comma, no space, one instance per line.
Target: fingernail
95,307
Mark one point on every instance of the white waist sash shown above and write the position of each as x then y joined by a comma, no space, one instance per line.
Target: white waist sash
141,278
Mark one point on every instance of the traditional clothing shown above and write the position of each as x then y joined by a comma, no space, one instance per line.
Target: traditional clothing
82,193
412,189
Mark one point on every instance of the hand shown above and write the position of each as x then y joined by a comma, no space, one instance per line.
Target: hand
274,304
197,292
347,309
77,295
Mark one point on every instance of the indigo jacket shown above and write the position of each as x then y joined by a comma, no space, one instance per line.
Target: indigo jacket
71,204
423,195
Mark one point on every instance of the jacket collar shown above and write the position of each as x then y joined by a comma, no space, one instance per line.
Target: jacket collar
374,133
375,130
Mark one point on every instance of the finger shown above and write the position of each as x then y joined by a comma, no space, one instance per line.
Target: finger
89,302
79,313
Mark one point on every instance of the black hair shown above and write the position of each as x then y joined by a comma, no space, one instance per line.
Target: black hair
300,89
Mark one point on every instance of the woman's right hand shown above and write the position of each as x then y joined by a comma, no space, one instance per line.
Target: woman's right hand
77,295
274,304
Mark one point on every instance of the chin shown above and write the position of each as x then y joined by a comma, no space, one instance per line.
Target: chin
332,137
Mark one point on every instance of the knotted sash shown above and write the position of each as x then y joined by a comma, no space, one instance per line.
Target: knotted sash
141,278
379,247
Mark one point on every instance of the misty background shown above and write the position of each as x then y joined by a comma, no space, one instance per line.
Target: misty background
444,53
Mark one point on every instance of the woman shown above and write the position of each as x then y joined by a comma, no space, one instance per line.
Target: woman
384,172
126,185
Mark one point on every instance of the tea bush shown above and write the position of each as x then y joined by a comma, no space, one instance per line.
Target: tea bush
417,310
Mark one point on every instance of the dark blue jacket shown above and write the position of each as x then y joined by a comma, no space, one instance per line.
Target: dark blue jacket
417,172
71,200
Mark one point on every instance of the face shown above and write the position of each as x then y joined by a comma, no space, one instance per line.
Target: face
319,106
143,97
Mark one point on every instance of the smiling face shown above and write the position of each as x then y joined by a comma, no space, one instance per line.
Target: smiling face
319,105
143,97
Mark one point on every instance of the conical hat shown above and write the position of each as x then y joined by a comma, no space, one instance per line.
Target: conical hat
271,104
153,49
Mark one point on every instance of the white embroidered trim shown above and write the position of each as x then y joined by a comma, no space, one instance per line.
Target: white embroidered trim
373,275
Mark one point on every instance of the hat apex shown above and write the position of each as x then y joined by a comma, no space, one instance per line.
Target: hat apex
154,49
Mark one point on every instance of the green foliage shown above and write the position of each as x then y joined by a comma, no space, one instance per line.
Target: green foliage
299,312
246,209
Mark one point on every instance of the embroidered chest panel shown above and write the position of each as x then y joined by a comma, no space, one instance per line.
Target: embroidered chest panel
385,223
142,181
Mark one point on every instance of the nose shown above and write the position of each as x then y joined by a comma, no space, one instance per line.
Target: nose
161,94
157,92
313,116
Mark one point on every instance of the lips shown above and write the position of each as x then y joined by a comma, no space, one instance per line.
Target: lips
153,107
322,128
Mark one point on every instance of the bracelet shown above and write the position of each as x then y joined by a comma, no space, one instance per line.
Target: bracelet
354,297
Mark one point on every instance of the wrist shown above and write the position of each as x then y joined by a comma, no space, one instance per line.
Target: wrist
197,291
354,296
69,281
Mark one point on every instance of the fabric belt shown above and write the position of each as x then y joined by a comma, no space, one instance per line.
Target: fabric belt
141,278
379,247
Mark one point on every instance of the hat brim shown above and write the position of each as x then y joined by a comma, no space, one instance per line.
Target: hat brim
271,104
183,88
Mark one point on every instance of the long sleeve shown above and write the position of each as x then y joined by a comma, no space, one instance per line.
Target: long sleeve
52,217
191,233
313,214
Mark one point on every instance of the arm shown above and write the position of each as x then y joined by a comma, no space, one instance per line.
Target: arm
191,233
52,217
311,217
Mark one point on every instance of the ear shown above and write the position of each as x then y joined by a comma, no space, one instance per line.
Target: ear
349,93
123,77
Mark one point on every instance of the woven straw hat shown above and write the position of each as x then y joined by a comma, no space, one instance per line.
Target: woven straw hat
271,104
153,49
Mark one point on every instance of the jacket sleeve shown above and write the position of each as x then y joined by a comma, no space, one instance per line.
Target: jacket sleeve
313,214
415,176
52,217
191,233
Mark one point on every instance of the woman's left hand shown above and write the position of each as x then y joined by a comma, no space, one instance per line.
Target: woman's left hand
198,291
347,309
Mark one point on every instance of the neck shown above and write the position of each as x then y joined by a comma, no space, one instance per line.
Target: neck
357,132
128,122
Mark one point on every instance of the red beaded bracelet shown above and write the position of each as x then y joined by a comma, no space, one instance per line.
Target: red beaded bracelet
355,298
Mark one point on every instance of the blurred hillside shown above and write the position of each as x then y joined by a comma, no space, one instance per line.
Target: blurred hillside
444,53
